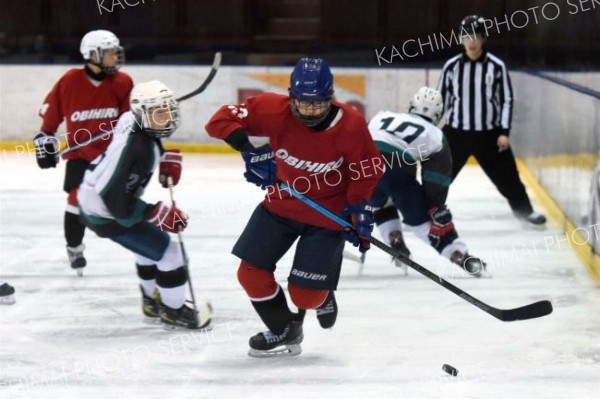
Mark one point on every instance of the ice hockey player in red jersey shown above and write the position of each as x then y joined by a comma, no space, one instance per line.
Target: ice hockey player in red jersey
90,100
323,149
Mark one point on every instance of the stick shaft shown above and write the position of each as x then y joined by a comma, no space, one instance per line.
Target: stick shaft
537,309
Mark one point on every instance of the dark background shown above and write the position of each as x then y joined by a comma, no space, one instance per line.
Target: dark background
270,32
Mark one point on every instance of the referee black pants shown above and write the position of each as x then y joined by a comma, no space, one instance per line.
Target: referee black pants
500,167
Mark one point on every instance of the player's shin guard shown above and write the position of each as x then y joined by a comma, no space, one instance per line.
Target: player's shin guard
74,229
274,312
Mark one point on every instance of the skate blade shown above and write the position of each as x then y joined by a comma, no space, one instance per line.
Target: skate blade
482,272
7,300
530,226
151,320
79,272
284,351
401,265
350,256
172,327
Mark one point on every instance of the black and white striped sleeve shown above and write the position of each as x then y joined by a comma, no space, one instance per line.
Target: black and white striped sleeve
506,100
444,84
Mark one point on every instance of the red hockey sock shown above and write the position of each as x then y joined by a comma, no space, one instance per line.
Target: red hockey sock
259,284
306,298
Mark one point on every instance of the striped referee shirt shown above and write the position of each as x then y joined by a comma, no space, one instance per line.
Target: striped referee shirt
477,94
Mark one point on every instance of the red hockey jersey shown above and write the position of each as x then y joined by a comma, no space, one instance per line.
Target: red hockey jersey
334,167
89,110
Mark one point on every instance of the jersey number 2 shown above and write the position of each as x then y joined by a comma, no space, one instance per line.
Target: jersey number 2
401,130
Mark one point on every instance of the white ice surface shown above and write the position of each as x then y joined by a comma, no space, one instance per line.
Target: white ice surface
70,337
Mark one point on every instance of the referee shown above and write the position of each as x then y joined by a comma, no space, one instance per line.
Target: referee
478,99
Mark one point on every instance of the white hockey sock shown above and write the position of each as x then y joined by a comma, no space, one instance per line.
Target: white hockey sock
172,297
148,287
456,245
422,231
387,227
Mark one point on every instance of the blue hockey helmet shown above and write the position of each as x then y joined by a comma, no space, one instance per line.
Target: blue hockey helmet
311,90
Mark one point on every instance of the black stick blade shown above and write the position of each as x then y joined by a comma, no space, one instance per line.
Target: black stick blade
207,81
532,311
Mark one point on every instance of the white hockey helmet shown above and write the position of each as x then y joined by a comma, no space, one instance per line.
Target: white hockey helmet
97,42
427,102
155,107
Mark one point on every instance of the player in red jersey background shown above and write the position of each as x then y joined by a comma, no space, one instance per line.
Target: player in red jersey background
323,149
90,101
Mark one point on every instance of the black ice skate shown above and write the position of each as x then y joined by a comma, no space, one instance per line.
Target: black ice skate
267,344
151,305
397,242
471,264
76,258
7,294
185,317
327,312
533,219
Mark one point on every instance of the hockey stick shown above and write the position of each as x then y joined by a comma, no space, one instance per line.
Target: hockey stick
183,253
211,75
209,78
205,313
531,311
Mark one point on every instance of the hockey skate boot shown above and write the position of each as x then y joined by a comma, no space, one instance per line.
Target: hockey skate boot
7,294
533,219
76,258
184,317
268,344
151,305
397,242
472,265
327,312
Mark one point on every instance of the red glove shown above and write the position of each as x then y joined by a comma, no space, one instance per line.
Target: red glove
170,165
168,218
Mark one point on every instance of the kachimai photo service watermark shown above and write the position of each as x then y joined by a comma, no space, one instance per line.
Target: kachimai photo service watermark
518,19
108,6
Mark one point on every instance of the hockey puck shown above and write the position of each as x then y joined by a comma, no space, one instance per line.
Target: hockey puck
450,370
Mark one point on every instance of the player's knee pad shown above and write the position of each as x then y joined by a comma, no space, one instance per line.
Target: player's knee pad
307,298
146,272
259,284
172,278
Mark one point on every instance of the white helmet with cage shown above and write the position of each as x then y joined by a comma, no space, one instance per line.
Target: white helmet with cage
97,42
155,107
427,102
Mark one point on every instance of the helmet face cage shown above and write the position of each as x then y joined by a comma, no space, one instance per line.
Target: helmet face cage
311,91
120,59
302,110
155,108
429,103
154,122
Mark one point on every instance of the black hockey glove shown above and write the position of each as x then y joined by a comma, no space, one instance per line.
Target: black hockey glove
361,217
260,166
46,149
442,231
